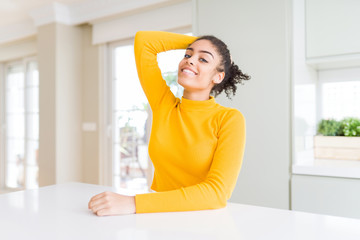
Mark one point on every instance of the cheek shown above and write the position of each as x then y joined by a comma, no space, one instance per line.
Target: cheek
208,72
181,63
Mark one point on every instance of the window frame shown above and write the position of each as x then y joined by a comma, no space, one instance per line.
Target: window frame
3,131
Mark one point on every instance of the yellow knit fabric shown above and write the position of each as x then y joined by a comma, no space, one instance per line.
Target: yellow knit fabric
196,146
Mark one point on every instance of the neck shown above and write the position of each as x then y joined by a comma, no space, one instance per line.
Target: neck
196,96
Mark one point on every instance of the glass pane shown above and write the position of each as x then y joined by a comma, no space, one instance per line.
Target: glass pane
129,94
169,63
117,182
129,118
15,100
32,176
117,97
33,126
15,89
15,77
118,121
14,175
14,151
33,74
341,99
15,163
15,125
32,99
116,165
32,154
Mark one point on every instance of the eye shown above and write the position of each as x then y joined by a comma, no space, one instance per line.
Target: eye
187,56
203,60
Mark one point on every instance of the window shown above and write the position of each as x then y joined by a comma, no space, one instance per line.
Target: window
129,122
340,93
335,94
21,121
131,115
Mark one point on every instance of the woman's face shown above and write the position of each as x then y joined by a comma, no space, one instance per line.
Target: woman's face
198,69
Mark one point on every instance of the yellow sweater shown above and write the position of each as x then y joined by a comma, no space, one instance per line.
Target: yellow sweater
196,146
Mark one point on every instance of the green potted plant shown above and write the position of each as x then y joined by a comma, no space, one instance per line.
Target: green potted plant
338,139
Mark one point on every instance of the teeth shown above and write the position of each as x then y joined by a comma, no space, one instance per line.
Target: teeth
188,71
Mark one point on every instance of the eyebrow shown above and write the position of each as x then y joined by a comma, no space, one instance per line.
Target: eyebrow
203,51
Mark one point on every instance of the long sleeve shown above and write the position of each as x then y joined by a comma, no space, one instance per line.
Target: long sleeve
147,45
213,191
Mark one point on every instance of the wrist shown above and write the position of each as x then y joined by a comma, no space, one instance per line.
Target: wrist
133,204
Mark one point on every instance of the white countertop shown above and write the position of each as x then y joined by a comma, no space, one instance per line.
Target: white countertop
306,164
60,212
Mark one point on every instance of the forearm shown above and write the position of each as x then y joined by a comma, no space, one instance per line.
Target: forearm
202,196
157,41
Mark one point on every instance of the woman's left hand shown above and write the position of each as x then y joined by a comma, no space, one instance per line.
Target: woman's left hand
109,203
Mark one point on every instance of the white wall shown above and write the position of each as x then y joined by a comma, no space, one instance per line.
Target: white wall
47,104
90,110
257,33
158,19
69,75
18,49
60,58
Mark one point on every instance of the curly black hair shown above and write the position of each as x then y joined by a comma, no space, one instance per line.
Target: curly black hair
233,75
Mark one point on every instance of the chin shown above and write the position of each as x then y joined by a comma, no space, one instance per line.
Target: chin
182,82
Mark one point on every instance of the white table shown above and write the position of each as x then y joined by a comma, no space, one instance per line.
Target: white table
60,212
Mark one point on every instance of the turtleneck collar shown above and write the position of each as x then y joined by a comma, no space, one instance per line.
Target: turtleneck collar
197,105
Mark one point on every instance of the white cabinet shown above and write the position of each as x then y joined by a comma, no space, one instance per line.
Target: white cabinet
332,28
326,195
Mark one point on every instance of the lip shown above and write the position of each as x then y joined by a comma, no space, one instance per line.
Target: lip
187,68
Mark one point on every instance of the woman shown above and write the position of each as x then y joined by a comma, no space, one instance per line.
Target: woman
196,145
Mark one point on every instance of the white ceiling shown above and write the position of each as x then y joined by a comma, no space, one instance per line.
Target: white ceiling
14,11
21,18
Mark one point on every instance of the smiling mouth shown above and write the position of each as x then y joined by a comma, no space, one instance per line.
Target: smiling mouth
187,71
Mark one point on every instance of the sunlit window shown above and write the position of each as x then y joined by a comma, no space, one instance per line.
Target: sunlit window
341,99
335,95
22,125
130,158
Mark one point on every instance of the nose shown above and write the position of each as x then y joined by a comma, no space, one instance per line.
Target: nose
189,61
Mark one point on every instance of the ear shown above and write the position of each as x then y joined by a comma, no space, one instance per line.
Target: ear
219,77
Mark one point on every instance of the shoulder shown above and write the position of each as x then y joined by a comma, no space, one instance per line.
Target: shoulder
235,113
230,119
230,122
228,113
